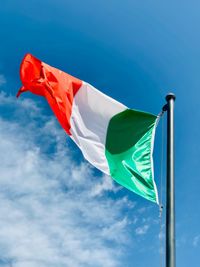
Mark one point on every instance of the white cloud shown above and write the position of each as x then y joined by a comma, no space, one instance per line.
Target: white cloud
196,241
105,185
53,211
142,230
116,231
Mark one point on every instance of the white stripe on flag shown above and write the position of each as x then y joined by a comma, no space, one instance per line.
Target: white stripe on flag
91,113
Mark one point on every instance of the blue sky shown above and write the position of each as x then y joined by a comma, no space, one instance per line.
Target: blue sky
136,52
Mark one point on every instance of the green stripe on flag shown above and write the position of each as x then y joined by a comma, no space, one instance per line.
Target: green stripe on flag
129,144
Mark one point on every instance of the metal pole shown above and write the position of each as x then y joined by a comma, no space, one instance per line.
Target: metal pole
170,201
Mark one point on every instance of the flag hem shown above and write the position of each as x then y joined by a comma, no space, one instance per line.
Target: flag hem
151,158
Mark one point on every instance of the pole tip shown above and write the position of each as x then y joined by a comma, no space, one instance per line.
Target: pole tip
170,96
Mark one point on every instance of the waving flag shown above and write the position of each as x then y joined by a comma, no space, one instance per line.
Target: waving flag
115,139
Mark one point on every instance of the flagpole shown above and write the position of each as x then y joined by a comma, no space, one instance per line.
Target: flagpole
170,201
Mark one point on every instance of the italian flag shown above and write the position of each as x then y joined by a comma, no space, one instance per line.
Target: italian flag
115,139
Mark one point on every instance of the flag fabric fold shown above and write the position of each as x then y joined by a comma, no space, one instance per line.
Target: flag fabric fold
113,138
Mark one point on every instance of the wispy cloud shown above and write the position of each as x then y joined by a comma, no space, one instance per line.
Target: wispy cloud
142,230
105,185
53,212
196,241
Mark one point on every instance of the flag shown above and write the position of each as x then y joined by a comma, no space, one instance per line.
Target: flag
115,139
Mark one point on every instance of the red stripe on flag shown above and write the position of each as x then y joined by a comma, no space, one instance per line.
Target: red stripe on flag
58,87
